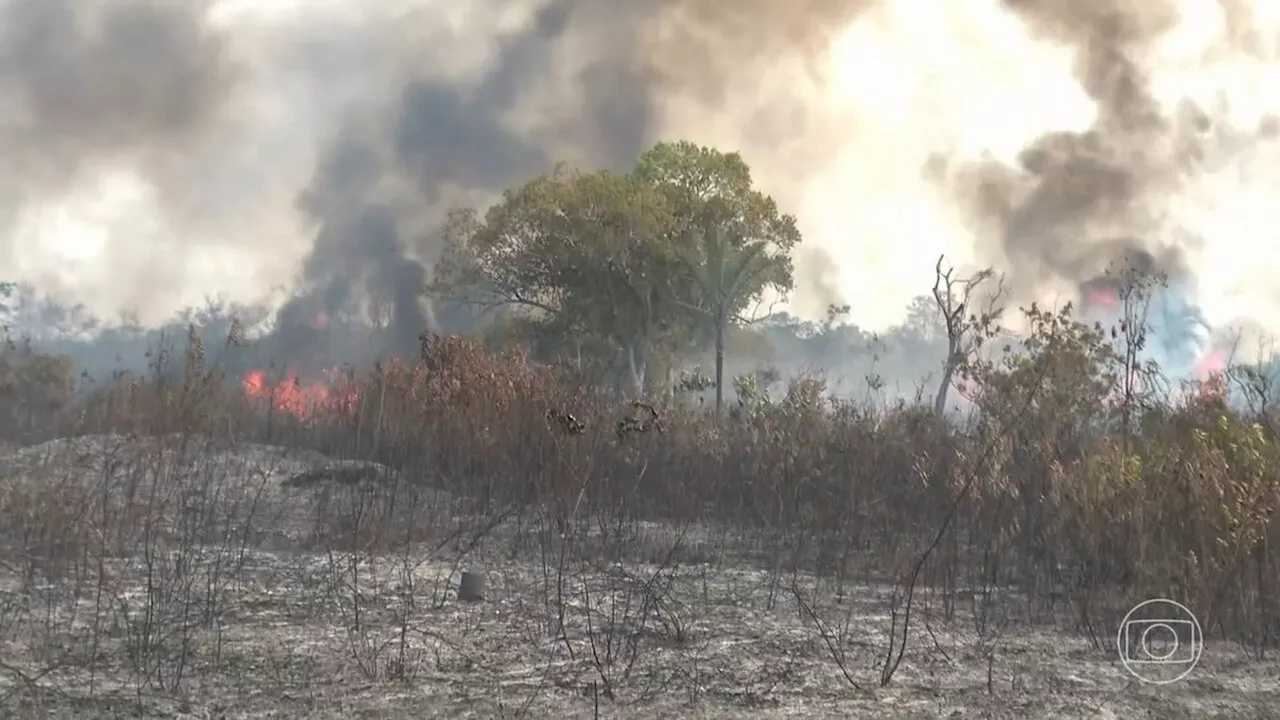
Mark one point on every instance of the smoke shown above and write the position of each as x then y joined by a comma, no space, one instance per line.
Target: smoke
1077,200
167,151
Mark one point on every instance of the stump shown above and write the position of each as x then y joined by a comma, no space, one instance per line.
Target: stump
471,587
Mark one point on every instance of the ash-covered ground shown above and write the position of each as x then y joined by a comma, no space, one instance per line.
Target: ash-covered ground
184,578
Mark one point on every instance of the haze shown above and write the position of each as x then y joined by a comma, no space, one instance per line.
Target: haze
156,153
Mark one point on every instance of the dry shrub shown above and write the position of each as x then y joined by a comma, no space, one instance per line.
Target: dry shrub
34,390
1061,504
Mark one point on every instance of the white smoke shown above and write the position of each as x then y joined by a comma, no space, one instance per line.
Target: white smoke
869,133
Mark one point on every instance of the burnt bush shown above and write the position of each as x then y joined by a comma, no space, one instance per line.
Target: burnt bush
35,389
1054,495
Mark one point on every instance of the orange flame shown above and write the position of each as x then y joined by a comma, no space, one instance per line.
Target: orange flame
302,399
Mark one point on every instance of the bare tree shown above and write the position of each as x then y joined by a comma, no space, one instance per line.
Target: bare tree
1130,336
965,333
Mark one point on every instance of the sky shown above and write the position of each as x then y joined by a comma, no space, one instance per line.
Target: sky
166,150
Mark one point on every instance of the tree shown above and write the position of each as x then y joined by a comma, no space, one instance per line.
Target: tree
731,236
729,273
1130,335
586,253
707,188
6,291
965,333
605,257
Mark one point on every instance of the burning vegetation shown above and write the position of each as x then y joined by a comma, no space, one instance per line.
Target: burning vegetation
1129,492
1106,452
1076,473
303,399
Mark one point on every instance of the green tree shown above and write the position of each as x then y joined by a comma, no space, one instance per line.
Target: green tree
729,273
580,253
602,260
708,188
735,245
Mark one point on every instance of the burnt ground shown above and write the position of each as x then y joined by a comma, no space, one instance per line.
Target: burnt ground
273,622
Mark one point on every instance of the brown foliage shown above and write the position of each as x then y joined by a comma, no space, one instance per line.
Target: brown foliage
1061,507
34,388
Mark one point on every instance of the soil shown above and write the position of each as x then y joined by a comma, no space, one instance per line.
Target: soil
281,624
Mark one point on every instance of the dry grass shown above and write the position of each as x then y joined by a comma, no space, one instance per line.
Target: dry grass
183,551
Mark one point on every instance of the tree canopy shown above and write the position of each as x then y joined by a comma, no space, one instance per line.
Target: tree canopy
638,267
707,188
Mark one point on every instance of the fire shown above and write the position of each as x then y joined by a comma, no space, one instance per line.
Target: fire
1104,299
1211,365
301,399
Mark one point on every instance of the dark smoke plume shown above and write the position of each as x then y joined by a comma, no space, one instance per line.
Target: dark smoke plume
90,81
449,141
379,121
1081,202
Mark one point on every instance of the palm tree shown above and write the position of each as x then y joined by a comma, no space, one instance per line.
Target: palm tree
727,272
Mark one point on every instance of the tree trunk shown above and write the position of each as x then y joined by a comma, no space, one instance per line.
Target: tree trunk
948,372
940,402
719,362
